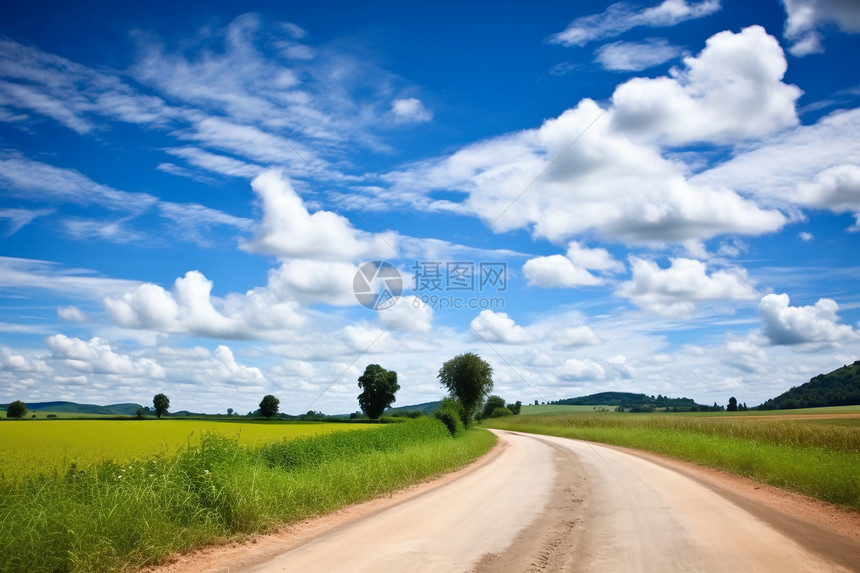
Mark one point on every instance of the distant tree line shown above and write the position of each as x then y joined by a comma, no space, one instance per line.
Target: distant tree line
630,402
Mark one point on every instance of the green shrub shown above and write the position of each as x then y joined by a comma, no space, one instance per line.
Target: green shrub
500,413
451,414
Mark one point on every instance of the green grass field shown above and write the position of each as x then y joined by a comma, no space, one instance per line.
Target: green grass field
559,409
782,413
818,457
563,409
36,446
121,516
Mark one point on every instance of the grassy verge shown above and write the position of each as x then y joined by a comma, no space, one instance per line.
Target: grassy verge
115,517
818,460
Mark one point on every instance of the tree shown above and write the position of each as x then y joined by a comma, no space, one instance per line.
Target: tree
229,411
378,388
269,406
16,409
161,403
140,413
468,379
733,404
515,407
492,403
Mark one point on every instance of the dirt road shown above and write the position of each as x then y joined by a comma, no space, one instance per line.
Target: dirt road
551,504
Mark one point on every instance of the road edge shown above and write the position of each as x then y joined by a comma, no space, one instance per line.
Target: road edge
248,551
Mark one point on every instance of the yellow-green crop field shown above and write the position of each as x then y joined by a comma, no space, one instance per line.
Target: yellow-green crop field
31,447
235,479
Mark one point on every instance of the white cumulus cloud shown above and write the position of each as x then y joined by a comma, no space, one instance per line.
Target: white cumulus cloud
97,356
732,90
607,171
807,18
675,291
499,327
71,313
786,324
289,230
410,110
836,188
557,271
578,370
191,308
573,269
409,314
573,337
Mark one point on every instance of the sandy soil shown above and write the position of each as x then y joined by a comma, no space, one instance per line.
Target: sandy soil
539,503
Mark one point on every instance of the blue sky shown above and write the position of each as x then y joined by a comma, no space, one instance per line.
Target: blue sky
648,197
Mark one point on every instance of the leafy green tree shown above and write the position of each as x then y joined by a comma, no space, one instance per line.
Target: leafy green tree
733,405
269,406
161,403
469,379
515,407
491,404
229,411
16,409
140,413
378,389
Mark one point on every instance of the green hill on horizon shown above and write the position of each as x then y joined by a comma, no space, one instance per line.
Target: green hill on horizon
426,408
838,388
631,400
125,409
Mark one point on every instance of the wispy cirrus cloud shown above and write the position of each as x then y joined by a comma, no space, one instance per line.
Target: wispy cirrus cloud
20,218
637,56
18,274
74,95
252,90
214,162
33,180
621,17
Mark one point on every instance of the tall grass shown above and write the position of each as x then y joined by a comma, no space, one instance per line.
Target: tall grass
818,460
113,517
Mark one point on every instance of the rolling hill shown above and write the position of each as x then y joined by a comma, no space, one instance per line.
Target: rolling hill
426,408
75,408
838,388
630,400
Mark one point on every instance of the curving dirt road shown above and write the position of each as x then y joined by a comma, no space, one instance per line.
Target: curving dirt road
552,504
